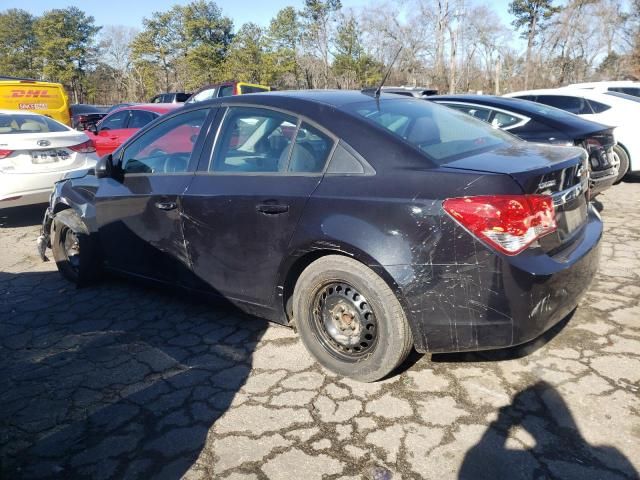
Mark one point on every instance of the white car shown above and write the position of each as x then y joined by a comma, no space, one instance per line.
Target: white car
602,108
622,86
35,152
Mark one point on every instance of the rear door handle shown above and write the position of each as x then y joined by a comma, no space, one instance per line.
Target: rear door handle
272,209
166,205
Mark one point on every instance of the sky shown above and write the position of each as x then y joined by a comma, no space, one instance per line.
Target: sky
131,12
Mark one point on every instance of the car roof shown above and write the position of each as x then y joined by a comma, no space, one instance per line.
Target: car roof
554,117
335,98
500,102
21,112
605,83
151,107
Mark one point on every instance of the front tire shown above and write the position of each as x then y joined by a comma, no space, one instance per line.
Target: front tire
350,320
75,254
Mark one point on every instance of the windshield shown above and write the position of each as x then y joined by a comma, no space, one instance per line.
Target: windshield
443,134
20,123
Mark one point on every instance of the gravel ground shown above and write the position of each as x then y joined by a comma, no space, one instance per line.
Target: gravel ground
125,381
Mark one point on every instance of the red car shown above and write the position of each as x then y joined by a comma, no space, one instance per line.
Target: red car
119,125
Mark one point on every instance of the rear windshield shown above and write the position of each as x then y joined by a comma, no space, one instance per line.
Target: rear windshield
19,123
442,133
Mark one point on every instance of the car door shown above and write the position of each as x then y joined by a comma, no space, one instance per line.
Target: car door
244,203
138,210
109,132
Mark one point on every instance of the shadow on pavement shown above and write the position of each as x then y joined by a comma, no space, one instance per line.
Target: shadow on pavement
113,381
541,412
22,216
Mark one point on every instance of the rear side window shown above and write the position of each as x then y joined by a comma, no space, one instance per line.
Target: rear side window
598,107
575,105
473,110
225,91
441,133
140,118
20,123
166,147
252,89
253,140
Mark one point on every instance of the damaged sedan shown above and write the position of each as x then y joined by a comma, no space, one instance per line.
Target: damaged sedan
371,223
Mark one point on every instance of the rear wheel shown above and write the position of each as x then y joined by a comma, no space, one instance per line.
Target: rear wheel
622,159
349,319
75,256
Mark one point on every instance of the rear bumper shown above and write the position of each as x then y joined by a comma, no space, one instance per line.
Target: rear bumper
497,301
22,198
601,180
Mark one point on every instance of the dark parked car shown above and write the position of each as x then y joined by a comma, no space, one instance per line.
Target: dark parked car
372,225
83,116
538,123
170,97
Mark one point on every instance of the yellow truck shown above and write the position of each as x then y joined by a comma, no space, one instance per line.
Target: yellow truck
46,98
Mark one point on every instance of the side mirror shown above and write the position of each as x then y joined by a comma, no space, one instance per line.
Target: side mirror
104,167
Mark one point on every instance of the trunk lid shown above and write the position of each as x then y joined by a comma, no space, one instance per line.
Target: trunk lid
561,172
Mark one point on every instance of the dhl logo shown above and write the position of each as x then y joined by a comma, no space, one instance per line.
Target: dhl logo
30,94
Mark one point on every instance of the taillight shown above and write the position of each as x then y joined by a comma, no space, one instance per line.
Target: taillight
86,147
5,153
509,223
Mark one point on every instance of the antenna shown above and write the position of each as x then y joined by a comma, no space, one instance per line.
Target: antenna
386,75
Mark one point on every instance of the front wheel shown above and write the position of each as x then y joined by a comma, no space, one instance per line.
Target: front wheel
74,253
350,320
622,159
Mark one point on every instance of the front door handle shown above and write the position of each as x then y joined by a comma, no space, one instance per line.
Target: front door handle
272,209
166,205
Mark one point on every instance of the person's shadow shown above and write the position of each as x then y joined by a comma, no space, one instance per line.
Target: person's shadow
560,451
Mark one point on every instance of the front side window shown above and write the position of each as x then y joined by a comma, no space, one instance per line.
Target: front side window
254,140
166,147
441,133
115,121
575,105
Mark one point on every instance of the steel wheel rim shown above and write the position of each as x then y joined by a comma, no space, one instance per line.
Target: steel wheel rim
71,247
344,322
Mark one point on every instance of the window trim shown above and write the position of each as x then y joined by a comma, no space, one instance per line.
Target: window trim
300,119
523,118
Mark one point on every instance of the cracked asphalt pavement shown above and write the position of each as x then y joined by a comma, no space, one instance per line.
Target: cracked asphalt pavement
122,380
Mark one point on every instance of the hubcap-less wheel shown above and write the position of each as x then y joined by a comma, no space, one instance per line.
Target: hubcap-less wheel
72,248
344,321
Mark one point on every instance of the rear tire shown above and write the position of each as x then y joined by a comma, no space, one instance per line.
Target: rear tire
350,320
623,159
75,255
